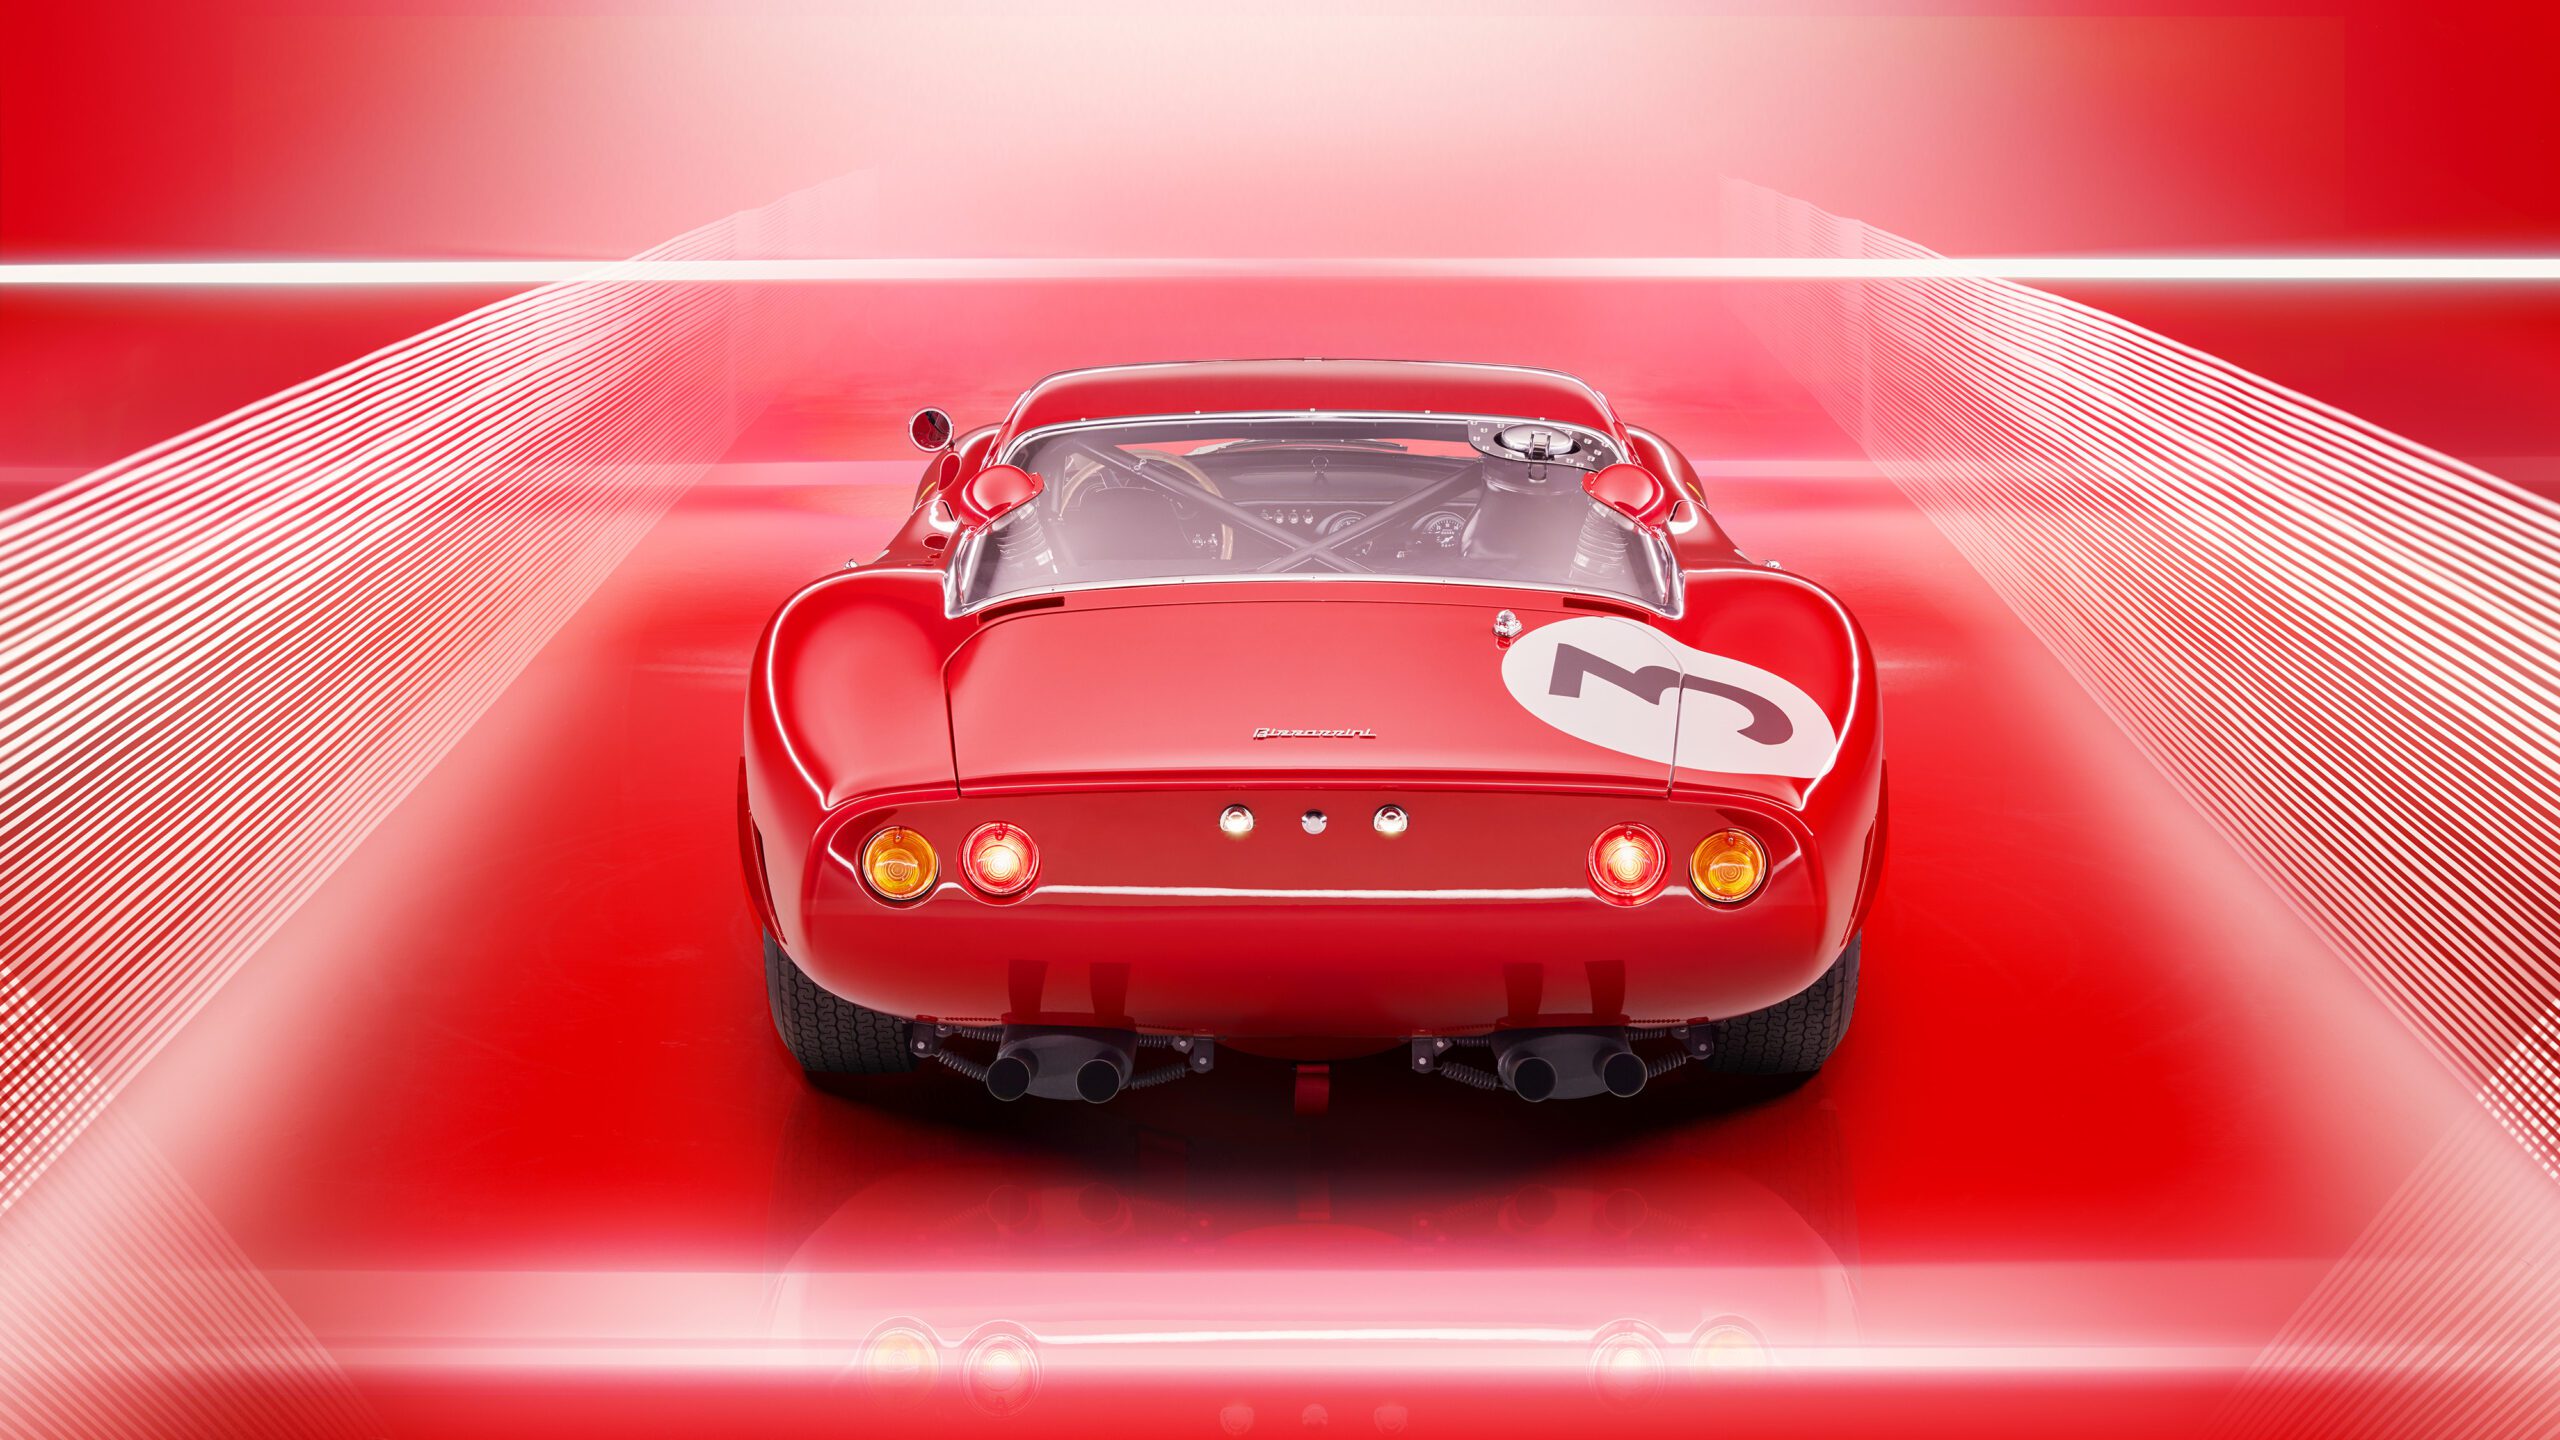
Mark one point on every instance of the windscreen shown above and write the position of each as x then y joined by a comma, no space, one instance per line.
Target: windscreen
1309,497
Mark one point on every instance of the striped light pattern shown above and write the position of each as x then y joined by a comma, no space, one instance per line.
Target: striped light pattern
2443,1319
223,660
126,1310
2345,649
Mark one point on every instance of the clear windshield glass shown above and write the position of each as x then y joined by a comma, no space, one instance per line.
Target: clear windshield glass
1264,497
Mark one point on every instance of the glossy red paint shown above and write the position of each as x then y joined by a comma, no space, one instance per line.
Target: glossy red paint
1632,491
994,491
1171,686
1117,724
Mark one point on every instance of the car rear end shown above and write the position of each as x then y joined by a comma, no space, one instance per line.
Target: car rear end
1270,816
1310,728
1381,909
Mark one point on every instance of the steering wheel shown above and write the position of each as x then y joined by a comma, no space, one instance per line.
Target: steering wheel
1236,515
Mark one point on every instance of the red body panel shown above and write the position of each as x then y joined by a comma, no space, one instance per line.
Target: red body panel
1143,686
1114,725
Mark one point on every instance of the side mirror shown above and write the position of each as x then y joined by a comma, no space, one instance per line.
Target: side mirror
1632,491
993,491
929,429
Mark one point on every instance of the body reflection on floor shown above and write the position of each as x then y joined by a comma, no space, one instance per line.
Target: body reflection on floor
1402,1237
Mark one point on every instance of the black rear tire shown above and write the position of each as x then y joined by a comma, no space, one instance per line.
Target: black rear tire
1794,1036
828,1034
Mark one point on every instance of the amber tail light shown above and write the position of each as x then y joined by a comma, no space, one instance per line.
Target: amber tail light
1728,867
898,864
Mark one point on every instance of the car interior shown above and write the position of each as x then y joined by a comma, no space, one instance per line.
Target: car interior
1394,497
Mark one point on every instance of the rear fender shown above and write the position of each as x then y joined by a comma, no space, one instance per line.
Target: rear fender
1794,628
844,701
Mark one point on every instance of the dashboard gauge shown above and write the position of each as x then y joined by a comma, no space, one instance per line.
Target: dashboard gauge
1441,528
1339,521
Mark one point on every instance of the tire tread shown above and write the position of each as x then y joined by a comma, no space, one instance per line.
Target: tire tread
1796,1035
826,1033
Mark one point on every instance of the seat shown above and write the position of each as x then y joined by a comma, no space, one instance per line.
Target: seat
1125,522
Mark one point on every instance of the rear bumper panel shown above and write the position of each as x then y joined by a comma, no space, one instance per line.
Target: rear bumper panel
1478,916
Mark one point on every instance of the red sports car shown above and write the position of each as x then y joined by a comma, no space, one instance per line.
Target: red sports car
1311,707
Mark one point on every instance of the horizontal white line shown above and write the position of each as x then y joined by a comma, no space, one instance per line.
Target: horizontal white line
2174,268
1220,892
1453,1353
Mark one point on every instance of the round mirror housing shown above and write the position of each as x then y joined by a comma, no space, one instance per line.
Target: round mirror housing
998,488
1632,491
929,429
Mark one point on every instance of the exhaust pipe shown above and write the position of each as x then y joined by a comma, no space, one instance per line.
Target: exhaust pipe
1567,1064
1061,1063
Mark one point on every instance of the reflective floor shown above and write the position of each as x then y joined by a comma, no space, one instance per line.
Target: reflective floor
503,1117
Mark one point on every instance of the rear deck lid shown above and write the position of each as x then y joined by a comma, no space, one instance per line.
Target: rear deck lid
1197,690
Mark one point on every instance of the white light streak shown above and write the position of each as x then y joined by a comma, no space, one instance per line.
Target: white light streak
2170,269
1423,1355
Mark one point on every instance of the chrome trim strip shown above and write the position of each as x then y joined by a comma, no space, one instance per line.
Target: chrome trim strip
1598,400
1014,449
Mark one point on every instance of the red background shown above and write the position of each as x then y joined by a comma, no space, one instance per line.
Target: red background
584,1078
371,130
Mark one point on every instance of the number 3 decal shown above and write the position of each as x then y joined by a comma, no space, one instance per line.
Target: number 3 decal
1632,689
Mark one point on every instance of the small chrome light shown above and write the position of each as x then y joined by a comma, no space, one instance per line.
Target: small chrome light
1235,822
1506,626
1313,820
1391,820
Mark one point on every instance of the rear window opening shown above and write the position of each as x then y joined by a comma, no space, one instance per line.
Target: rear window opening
1483,500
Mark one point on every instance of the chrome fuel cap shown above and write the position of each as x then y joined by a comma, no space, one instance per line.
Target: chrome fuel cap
1538,442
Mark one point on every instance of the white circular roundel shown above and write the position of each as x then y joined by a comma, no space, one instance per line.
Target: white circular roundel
1629,688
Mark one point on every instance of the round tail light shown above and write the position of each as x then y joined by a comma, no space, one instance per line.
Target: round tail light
1001,1374
898,1365
897,864
1000,859
1626,1367
1728,866
1626,863
1728,1345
